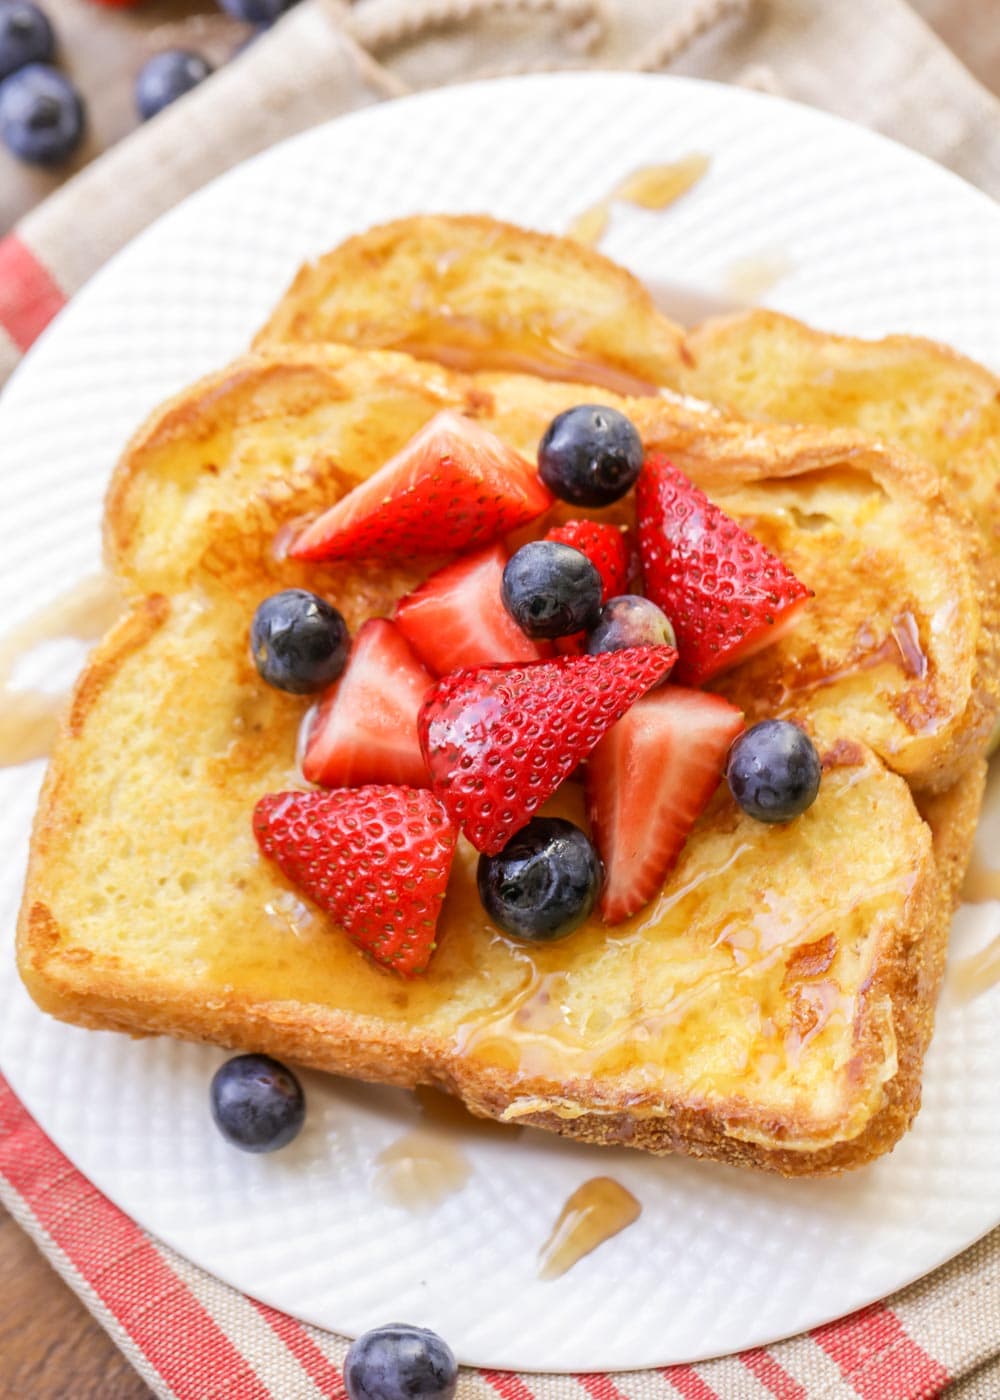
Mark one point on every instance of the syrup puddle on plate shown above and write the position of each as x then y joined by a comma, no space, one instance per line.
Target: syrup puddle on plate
748,279
439,1110
980,971
420,1170
652,187
29,717
596,1211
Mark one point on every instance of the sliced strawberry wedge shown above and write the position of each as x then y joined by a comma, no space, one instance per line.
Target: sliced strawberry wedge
452,487
648,780
456,618
376,858
499,740
726,595
366,728
606,546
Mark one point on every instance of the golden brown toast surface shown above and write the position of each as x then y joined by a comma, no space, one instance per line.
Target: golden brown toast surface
475,293
761,1007
940,405
771,1007
895,639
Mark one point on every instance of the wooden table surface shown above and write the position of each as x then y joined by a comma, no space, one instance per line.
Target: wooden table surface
50,1347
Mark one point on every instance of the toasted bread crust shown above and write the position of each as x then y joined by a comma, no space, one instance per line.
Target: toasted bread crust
474,293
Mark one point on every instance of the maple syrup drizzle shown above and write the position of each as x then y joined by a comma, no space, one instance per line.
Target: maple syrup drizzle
652,187
978,973
982,882
596,1211
748,279
900,648
440,1110
420,1170
29,718
981,971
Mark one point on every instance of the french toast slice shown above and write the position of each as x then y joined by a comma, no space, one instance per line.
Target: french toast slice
900,639
925,397
759,364
475,293
771,1007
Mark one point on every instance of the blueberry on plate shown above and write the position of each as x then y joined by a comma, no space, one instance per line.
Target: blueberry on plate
257,1104
167,76
551,589
544,882
773,771
630,621
400,1362
299,642
590,455
25,36
256,11
41,115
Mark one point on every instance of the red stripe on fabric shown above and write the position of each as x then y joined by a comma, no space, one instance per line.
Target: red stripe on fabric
317,1367
781,1385
127,1272
29,295
689,1383
508,1385
879,1358
601,1387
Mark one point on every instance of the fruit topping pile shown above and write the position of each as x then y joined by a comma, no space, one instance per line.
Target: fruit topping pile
506,673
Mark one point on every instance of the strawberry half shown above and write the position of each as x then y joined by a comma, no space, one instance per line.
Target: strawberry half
365,730
726,595
456,618
499,740
454,485
648,780
376,858
605,546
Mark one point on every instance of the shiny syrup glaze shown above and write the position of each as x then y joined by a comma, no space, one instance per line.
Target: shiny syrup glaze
29,718
652,187
596,1211
901,648
540,1033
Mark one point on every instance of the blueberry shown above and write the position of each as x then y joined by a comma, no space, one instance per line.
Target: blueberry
167,76
590,455
25,36
544,882
773,771
400,1362
630,621
41,115
551,589
299,642
256,11
257,1104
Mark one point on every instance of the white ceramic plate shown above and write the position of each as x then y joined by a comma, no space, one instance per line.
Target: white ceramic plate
875,239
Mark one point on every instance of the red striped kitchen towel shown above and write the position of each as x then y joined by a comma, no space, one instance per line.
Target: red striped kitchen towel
190,1336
